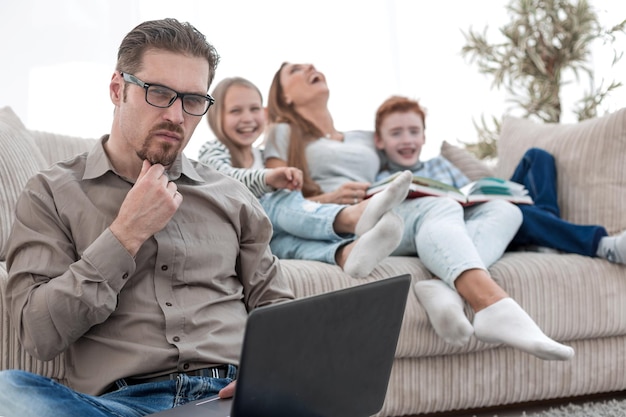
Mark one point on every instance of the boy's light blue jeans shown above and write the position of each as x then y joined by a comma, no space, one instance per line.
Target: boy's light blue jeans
450,239
23,394
303,229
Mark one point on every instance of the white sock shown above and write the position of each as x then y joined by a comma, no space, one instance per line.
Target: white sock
506,322
444,307
613,248
374,246
383,201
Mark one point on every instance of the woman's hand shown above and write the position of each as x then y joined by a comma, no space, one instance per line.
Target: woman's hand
349,193
284,177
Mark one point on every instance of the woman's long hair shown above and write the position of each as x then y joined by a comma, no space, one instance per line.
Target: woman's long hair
302,132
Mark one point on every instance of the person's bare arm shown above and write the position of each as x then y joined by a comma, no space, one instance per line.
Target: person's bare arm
275,163
348,193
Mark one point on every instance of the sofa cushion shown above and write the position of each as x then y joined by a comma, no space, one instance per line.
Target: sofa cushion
553,303
472,167
590,164
58,147
19,160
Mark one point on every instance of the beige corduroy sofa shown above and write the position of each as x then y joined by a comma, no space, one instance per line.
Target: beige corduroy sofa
577,300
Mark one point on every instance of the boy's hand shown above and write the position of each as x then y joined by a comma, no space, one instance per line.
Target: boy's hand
284,177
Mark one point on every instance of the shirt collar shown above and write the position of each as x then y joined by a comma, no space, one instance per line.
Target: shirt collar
393,167
98,164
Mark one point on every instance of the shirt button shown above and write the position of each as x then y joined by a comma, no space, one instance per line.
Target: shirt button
186,366
168,304
176,339
163,267
125,275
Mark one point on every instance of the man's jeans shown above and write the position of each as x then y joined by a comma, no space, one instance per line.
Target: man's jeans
23,394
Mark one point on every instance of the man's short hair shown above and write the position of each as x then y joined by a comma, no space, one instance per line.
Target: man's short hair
169,35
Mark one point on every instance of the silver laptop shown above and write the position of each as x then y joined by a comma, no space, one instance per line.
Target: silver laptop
326,355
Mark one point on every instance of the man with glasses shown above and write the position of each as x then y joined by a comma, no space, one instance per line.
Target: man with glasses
139,264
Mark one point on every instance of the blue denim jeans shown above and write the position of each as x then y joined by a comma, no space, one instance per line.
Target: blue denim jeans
303,229
23,394
542,225
450,239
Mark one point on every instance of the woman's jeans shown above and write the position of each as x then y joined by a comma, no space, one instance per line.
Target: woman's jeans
542,224
23,394
450,239
303,229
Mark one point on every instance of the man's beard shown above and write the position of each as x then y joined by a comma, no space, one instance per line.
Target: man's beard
166,153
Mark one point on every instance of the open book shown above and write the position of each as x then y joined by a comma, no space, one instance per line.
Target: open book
484,189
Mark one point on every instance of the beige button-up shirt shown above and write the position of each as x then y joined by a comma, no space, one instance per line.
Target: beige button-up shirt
180,304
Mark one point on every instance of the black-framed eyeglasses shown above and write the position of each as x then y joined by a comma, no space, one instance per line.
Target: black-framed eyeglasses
163,97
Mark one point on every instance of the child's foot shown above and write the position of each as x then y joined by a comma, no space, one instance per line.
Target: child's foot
380,203
506,322
374,245
444,307
613,248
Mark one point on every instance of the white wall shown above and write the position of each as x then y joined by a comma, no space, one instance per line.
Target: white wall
58,56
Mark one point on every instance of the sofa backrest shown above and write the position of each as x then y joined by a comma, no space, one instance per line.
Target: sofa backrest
22,154
56,147
590,158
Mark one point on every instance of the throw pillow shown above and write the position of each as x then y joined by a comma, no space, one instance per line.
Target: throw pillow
466,162
590,164
19,160
58,147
